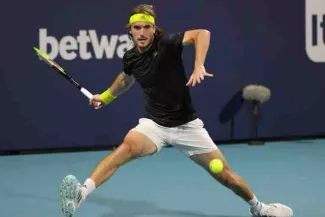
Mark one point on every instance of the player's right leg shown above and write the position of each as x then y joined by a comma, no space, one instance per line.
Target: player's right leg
135,145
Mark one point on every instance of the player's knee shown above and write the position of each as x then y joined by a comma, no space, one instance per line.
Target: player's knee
130,149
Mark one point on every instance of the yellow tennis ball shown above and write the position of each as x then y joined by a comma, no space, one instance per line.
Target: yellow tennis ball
216,166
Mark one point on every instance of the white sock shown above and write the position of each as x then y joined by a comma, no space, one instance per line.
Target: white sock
89,185
255,204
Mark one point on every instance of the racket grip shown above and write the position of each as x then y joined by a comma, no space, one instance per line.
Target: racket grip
88,94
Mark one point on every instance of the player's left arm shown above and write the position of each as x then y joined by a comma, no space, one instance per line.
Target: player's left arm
200,38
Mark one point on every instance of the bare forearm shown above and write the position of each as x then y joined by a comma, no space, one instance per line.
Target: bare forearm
201,43
120,85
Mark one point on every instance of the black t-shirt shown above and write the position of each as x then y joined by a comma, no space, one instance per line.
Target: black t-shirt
161,74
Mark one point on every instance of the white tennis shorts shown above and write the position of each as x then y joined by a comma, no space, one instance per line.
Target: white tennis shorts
190,138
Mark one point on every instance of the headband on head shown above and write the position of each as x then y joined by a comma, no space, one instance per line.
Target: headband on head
142,18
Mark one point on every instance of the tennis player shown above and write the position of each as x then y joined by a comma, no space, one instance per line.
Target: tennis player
155,62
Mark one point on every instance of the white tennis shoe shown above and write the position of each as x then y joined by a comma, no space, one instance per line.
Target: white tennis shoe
72,195
272,210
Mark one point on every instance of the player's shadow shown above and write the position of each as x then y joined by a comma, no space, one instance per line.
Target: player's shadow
117,207
128,208
232,107
229,111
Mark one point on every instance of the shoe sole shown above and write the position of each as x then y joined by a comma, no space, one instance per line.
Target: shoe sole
68,193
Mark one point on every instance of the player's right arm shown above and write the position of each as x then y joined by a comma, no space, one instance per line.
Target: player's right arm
122,83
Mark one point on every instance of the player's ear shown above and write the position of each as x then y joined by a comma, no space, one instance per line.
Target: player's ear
130,33
128,27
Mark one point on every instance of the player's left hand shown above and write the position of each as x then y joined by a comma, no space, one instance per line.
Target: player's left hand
198,76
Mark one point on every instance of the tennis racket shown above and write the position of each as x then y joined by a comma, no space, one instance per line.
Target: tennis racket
62,72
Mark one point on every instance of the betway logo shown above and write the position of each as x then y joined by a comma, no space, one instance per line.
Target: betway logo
87,45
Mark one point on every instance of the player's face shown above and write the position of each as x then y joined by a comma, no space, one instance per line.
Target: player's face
142,33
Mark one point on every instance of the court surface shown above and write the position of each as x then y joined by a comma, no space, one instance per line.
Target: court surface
169,184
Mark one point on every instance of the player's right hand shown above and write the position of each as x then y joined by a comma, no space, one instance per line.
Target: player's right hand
96,101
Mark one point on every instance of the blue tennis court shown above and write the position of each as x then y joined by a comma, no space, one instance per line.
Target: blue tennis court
169,184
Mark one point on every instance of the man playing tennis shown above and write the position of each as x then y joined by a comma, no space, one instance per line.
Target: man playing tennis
156,64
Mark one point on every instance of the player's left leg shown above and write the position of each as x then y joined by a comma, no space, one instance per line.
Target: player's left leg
237,184
227,177
193,140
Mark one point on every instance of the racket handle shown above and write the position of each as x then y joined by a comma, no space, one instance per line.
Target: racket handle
87,94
